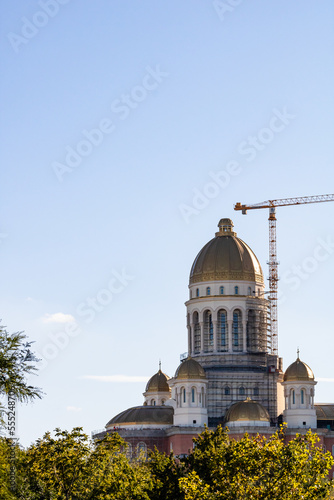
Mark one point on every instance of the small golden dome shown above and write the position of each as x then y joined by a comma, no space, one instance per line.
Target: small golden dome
298,371
158,383
189,368
226,257
247,410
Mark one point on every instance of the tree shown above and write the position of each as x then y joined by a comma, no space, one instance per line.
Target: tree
166,471
70,467
16,362
257,468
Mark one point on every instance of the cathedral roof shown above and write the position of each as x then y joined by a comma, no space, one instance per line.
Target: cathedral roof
247,410
298,371
188,369
158,383
144,415
226,257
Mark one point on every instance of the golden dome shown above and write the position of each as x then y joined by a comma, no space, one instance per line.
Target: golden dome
158,383
189,368
247,410
226,257
144,415
298,371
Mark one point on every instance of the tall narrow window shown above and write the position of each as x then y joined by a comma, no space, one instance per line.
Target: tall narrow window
236,290
184,395
197,292
293,397
302,397
256,391
208,331
197,333
242,391
249,291
222,330
235,329
221,290
227,391
208,290
193,395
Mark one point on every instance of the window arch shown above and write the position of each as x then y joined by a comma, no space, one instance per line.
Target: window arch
222,330
208,290
197,292
197,333
208,331
236,290
237,331
221,290
227,391
152,402
242,391
302,396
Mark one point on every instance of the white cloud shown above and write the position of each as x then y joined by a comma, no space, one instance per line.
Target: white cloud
116,378
57,318
325,379
73,408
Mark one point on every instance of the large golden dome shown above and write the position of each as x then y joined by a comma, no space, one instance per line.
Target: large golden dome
298,371
158,383
143,415
226,257
247,411
189,368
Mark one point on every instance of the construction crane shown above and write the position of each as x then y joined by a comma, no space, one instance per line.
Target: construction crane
273,263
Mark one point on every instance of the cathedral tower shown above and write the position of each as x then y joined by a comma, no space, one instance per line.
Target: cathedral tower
227,320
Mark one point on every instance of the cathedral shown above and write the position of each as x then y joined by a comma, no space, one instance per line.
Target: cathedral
229,375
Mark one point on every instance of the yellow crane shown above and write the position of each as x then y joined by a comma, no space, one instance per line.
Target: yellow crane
273,263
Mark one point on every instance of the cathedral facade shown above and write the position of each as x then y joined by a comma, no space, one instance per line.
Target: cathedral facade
229,375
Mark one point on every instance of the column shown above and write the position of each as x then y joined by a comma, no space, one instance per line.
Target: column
229,334
244,335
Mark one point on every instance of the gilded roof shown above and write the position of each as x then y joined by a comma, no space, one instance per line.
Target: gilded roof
247,410
141,415
298,371
324,411
189,368
158,383
226,257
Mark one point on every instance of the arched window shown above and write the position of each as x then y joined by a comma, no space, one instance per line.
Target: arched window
142,450
293,397
227,391
197,333
242,391
208,331
237,331
236,290
249,291
197,292
256,391
302,396
221,290
152,402
193,395
163,401
208,290
184,395
222,330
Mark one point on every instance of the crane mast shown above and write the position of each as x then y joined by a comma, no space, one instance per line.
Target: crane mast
273,263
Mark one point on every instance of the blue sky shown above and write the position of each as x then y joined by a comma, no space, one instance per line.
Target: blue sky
128,130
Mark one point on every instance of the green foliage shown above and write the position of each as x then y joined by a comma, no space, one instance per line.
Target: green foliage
166,470
16,362
70,467
257,468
